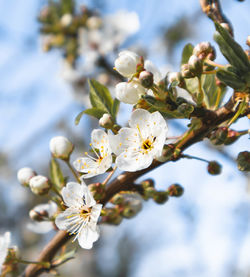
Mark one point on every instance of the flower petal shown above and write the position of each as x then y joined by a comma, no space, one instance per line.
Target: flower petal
149,66
127,137
85,165
99,140
72,194
67,218
140,120
4,245
88,236
133,161
95,213
158,124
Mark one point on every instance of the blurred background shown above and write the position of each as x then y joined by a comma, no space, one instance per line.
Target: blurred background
206,232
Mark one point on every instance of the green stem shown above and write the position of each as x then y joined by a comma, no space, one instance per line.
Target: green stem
238,113
73,171
201,93
218,98
44,264
194,158
214,64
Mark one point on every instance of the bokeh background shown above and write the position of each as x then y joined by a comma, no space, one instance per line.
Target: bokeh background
203,233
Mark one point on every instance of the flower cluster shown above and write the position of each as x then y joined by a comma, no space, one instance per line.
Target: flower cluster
141,77
135,146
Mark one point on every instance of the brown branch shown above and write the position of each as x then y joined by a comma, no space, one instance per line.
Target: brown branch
126,179
212,8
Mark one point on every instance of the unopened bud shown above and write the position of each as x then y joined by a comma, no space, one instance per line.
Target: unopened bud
129,212
126,63
94,22
149,193
204,50
117,199
186,72
185,109
167,153
66,19
61,147
39,185
106,121
243,161
146,79
37,216
175,190
195,65
148,183
161,197
111,216
219,136
214,168
24,175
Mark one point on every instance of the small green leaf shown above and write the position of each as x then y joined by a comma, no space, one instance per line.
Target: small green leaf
56,174
187,53
95,112
100,96
115,108
231,79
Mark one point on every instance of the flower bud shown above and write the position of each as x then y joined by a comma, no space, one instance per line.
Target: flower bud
175,77
146,79
97,190
94,22
106,121
232,136
61,147
204,50
186,72
129,212
148,183
195,65
214,168
38,216
66,19
117,199
186,109
24,175
175,190
39,185
111,216
130,92
161,197
126,63
243,161
219,136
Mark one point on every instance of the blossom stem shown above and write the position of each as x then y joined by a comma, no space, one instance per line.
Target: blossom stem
109,176
194,158
73,171
214,64
44,264
218,98
238,113
209,72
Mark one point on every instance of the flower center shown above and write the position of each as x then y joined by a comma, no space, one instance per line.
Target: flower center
85,212
146,144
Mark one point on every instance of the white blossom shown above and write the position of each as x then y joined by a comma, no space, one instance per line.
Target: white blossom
137,146
60,147
126,63
39,184
4,245
129,92
81,216
46,212
24,175
66,19
103,161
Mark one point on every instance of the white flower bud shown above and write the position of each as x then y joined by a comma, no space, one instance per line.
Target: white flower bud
60,147
66,19
106,121
126,63
39,185
174,76
129,93
24,175
94,22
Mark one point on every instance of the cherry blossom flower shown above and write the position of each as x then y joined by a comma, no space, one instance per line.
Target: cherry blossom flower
103,161
137,146
81,216
4,245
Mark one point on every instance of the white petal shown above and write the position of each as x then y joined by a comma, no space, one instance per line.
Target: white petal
89,199
127,137
95,213
72,194
65,219
140,120
105,164
133,161
99,140
4,245
88,236
158,124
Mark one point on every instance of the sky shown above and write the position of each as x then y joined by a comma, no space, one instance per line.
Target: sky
204,233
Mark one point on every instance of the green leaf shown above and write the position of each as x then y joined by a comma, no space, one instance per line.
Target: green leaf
235,55
115,108
186,53
100,96
56,174
95,112
231,79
